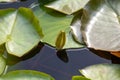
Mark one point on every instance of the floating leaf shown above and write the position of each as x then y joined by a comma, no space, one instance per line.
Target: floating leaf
2,65
79,78
67,6
76,27
52,23
26,75
8,0
115,5
102,72
101,26
19,30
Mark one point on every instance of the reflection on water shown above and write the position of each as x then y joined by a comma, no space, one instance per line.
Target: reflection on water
47,60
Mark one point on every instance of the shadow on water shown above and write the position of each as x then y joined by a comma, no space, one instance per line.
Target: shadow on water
61,65
103,54
62,54
106,55
11,60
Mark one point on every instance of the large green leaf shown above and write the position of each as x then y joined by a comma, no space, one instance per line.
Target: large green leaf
2,65
101,26
19,30
102,72
67,6
26,75
52,24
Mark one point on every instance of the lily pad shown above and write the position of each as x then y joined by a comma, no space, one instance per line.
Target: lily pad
8,0
67,6
26,75
101,26
76,27
102,72
115,5
79,78
52,24
19,30
2,65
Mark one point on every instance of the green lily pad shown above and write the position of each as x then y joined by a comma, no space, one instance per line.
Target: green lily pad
102,72
52,24
2,65
26,75
19,30
79,78
67,6
101,26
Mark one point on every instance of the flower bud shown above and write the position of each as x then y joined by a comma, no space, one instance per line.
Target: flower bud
61,39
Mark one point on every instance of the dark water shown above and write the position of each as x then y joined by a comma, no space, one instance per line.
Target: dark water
46,59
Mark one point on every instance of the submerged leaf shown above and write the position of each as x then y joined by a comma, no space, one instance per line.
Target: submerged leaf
100,25
19,30
52,23
26,75
67,6
102,72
